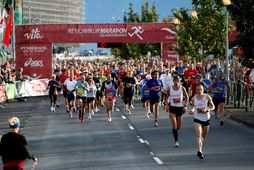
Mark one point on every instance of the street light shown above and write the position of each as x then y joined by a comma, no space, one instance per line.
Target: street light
194,13
176,21
226,3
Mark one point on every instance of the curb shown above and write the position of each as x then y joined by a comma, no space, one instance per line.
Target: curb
235,118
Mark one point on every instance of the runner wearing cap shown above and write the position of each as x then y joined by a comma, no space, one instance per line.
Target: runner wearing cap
145,94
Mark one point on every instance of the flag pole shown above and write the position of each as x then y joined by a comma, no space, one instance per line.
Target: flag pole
13,31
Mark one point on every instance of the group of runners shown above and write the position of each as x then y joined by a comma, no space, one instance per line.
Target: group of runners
88,86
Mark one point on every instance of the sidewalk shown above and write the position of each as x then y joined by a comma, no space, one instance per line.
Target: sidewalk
240,115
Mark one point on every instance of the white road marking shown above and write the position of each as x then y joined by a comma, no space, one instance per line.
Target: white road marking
158,160
131,127
147,142
141,140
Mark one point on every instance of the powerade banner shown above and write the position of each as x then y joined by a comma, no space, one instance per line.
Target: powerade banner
34,42
35,60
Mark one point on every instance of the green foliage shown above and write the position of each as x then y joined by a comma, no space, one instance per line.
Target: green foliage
137,50
242,12
205,34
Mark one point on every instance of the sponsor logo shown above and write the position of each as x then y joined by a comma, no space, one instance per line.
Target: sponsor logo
136,31
39,87
33,63
35,34
168,30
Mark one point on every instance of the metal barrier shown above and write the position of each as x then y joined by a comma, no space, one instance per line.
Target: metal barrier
241,95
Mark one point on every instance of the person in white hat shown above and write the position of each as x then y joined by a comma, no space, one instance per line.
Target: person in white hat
13,147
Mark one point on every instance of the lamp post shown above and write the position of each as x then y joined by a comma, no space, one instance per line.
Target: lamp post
177,22
226,3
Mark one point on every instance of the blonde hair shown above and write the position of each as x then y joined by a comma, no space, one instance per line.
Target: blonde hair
14,122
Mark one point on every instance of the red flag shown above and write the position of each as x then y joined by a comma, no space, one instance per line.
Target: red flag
8,30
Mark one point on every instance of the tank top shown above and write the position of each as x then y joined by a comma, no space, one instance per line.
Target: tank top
144,91
176,97
91,88
201,105
109,90
80,90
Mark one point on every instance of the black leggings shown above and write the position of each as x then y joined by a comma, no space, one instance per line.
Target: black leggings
52,98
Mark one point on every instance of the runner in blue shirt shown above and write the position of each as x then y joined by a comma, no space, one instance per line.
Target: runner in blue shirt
155,87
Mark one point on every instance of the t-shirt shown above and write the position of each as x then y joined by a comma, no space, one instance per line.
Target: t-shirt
155,83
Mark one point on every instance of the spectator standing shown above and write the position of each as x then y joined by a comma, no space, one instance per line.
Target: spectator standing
13,147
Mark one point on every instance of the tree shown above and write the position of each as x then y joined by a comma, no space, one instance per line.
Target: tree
205,34
242,12
136,50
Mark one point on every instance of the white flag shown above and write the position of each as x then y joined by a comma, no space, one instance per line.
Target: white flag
2,22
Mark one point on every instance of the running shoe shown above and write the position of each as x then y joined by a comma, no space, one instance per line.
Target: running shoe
148,115
97,110
221,122
177,144
156,124
92,112
89,116
117,109
129,112
71,115
81,119
200,155
54,110
109,119
57,105
132,107
74,110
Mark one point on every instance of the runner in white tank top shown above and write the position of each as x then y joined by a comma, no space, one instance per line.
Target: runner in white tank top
202,105
201,112
177,106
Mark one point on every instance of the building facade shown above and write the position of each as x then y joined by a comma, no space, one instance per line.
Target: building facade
53,11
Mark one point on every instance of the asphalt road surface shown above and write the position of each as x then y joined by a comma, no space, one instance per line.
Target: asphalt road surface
128,142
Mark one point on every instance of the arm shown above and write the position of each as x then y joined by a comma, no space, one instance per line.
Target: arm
210,102
193,106
186,97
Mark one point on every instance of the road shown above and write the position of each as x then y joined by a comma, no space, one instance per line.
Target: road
61,142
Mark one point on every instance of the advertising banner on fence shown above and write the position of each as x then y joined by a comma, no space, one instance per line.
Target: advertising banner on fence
35,59
2,94
34,88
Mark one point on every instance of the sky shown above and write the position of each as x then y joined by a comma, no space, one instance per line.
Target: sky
102,11
112,11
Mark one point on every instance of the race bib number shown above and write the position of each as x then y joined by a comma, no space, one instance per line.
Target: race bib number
147,92
109,94
80,91
177,100
201,110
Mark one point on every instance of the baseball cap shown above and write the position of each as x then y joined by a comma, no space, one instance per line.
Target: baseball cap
148,77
